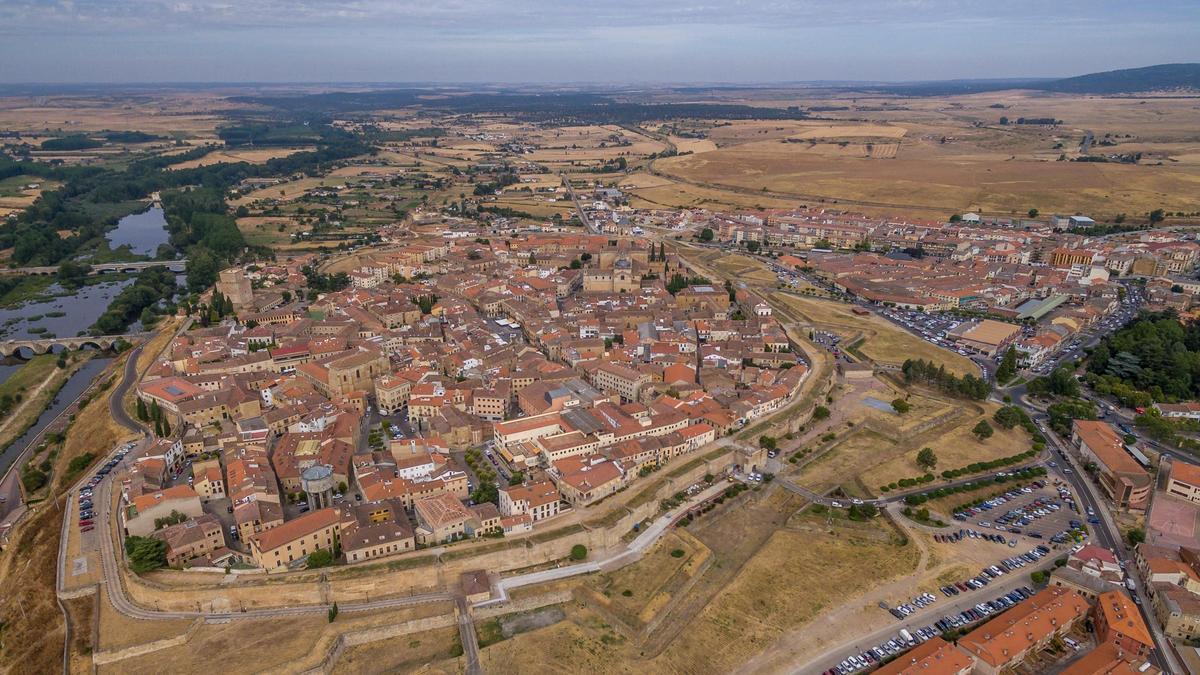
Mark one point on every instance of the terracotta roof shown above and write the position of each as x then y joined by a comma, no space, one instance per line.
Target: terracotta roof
932,657
440,510
1007,636
1185,473
147,501
269,540
1106,445
1122,617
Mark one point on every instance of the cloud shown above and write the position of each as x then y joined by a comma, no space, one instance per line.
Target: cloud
542,16
608,40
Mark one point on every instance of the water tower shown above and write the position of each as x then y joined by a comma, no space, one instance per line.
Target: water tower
317,482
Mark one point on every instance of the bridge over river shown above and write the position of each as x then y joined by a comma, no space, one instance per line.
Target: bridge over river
104,268
102,342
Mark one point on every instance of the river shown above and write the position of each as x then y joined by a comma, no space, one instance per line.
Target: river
142,232
73,388
64,316
69,315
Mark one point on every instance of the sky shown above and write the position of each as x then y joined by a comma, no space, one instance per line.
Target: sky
597,41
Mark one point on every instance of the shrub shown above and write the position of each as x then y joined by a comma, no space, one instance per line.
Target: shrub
578,552
678,553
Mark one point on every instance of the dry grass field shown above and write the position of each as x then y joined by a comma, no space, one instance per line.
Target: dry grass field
259,156
192,114
788,583
1007,187
867,458
946,155
954,446
883,342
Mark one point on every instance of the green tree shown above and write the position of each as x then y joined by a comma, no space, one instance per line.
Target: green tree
145,553
901,406
1008,366
319,558
516,478
983,430
486,492
1156,216
201,268
767,442
1008,416
926,459
706,234
332,613
142,413
820,413
1033,213
578,552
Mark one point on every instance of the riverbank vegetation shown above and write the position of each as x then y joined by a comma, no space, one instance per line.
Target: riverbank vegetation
139,301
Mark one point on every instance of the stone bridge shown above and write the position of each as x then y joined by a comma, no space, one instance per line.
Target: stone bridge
104,268
102,342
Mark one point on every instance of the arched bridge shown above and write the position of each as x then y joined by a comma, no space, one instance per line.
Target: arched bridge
104,268
13,347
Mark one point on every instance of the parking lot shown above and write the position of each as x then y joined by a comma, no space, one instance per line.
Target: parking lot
1025,516
932,327
960,615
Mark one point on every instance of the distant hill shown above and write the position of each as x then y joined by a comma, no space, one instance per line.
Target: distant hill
1168,76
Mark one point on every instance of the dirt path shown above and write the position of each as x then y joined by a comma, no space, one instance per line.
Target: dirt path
829,629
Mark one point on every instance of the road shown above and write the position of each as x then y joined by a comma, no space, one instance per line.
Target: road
632,552
583,217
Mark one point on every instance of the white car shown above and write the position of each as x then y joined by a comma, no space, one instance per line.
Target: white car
856,501
836,505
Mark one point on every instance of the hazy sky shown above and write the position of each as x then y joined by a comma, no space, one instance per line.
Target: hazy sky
584,40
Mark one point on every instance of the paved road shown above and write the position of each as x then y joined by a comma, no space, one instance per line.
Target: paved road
632,553
583,217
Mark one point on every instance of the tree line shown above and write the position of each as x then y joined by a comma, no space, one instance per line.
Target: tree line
926,372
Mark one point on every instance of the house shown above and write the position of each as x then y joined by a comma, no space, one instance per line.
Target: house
440,518
207,480
145,513
583,479
1107,659
1119,622
1003,642
375,529
193,538
1123,480
1188,410
539,500
279,547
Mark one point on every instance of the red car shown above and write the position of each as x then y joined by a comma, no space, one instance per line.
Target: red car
86,523
86,528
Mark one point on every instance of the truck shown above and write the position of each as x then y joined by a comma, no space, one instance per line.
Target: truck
906,636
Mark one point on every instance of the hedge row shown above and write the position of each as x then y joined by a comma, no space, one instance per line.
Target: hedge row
923,497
